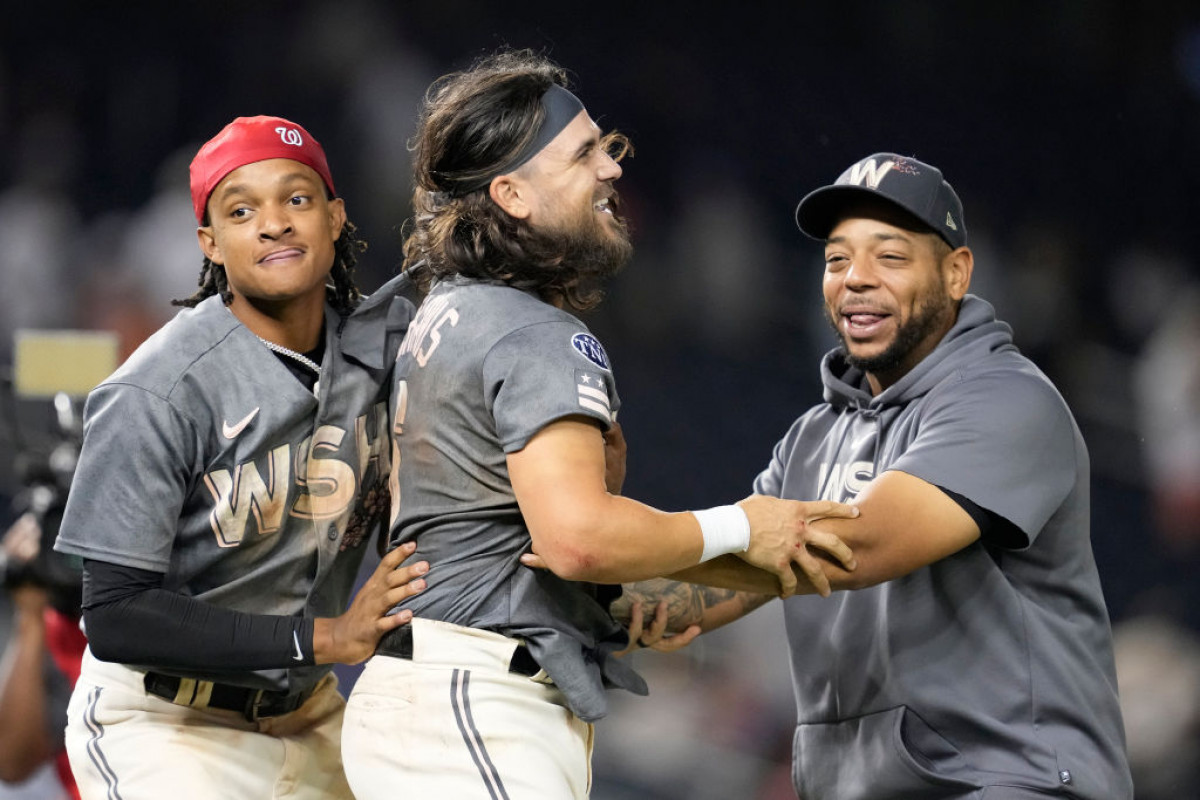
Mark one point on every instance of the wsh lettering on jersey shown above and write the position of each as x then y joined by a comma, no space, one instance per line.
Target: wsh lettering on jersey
326,483
842,482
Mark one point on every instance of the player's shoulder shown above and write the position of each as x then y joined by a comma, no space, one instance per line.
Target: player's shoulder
167,355
499,297
1006,388
1009,376
500,308
982,359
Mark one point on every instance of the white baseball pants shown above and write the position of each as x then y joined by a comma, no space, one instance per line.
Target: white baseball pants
126,744
454,722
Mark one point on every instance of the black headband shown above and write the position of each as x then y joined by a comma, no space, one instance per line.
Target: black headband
560,108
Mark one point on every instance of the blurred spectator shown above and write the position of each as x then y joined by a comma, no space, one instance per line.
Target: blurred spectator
1158,675
38,228
154,254
722,256
1167,388
140,260
109,298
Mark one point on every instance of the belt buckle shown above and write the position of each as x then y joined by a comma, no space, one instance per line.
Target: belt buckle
250,712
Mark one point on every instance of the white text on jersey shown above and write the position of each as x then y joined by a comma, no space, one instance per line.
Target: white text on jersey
424,334
846,481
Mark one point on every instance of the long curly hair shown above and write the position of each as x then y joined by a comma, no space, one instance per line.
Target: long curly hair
472,124
341,291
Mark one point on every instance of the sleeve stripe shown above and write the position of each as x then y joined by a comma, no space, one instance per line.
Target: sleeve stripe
595,394
597,407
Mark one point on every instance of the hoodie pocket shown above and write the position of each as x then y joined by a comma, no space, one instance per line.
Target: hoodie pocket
892,753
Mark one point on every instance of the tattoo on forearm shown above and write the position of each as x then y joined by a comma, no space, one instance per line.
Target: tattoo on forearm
684,605
686,602
752,601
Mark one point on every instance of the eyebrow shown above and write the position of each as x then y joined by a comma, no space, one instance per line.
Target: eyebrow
879,237
592,142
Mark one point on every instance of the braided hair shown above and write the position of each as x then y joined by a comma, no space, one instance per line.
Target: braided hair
341,291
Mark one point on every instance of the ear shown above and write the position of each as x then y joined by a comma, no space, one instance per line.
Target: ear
337,217
208,244
957,267
511,194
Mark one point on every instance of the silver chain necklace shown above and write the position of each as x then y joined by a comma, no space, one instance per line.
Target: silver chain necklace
300,358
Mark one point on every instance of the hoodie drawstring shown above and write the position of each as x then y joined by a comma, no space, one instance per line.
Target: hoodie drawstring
836,452
869,413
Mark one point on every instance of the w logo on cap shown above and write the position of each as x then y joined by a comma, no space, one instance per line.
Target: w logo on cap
290,136
868,171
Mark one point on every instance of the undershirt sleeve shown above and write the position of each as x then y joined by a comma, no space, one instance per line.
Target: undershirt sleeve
993,528
130,619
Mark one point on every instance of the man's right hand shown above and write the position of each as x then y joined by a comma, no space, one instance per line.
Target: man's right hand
780,537
351,638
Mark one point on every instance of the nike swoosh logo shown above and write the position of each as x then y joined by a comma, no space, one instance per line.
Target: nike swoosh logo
231,431
295,637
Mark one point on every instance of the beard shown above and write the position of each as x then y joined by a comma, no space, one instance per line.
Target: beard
591,247
928,318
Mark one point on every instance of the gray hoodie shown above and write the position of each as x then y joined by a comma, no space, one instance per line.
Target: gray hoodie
992,667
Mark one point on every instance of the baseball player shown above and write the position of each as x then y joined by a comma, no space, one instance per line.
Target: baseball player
973,658
230,473
499,404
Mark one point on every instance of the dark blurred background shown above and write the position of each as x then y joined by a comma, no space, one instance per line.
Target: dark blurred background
1070,130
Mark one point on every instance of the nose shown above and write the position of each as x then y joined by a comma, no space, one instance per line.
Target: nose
860,274
609,169
273,221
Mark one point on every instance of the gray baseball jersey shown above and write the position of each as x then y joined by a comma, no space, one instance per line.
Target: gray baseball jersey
994,666
484,367
204,458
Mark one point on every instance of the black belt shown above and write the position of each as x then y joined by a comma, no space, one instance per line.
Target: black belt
251,703
398,642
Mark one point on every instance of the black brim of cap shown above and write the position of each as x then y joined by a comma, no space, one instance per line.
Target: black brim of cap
821,208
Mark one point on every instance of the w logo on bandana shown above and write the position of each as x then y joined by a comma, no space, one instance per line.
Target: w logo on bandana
289,136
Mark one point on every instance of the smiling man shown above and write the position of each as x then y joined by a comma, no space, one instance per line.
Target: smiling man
502,405
974,658
971,656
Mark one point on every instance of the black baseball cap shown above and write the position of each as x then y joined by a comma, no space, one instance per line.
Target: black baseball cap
913,185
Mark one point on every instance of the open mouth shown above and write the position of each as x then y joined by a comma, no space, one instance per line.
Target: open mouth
861,324
602,207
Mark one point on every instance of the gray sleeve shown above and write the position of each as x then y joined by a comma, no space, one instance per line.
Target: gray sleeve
133,475
770,480
535,375
1005,441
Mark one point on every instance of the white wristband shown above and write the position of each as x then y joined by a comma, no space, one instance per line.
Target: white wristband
726,529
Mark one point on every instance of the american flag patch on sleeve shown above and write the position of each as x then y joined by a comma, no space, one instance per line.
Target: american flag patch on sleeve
593,395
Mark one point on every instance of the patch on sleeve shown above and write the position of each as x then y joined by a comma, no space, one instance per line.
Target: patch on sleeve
592,393
591,349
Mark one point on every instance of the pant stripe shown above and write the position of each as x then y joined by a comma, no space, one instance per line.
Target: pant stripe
471,736
95,754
